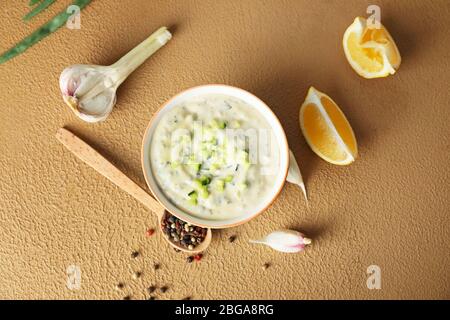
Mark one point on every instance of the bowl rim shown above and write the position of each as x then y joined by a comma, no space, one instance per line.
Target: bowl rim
215,224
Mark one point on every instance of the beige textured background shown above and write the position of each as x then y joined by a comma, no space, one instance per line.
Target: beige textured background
390,208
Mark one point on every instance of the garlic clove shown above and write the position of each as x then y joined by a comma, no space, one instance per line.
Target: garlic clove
288,241
294,174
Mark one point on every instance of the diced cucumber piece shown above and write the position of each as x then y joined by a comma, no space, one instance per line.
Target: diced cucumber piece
193,193
205,180
174,164
220,185
195,166
242,186
185,139
205,153
193,196
224,143
235,124
192,159
221,147
214,124
197,184
218,124
208,134
201,186
229,178
210,144
203,192
243,156
214,167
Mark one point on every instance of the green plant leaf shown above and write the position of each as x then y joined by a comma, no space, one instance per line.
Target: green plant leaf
38,9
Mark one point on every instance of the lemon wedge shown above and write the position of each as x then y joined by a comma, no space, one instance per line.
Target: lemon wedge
326,129
371,52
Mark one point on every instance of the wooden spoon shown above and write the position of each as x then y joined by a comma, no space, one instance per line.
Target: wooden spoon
90,156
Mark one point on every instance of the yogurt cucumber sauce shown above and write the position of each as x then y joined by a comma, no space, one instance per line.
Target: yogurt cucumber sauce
214,156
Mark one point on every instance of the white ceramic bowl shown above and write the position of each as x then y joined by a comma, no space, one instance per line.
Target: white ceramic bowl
252,101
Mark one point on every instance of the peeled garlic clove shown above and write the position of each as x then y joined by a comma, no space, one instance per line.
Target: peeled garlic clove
289,241
294,174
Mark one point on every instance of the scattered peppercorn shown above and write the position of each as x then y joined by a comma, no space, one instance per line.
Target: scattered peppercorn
156,266
152,298
265,266
127,298
198,257
137,275
231,239
181,232
150,232
134,254
187,298
151,289
177,250
190,259
164,289
119,286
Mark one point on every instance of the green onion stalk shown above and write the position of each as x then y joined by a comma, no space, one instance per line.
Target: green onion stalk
45,30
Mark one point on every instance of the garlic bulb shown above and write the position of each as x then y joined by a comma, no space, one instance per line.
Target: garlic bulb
294,174
289,241
90,90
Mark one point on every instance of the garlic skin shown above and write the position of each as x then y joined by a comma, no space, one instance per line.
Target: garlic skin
90,90
294,175
288,241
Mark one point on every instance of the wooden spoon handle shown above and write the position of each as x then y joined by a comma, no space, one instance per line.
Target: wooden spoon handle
90,156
